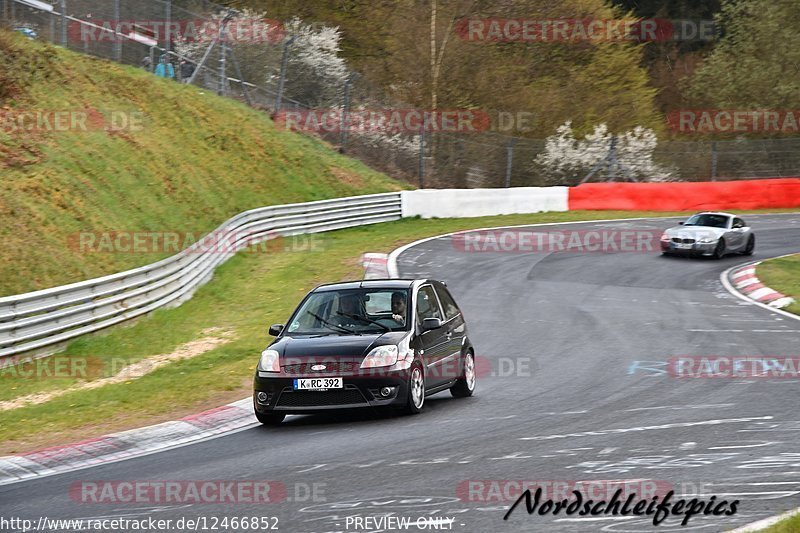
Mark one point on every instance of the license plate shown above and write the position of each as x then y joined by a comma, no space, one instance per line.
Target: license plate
318,383
683,245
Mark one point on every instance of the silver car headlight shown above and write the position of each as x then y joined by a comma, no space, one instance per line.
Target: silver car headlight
270,361
665,238
399,357
707,240
380,357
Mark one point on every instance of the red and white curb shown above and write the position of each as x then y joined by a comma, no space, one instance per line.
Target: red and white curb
745,281
375,265
229,418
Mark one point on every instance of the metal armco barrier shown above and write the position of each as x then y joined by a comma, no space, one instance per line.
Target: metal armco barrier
41,321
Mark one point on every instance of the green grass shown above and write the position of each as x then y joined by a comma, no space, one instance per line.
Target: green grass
197,160
248,293
790,525
783,275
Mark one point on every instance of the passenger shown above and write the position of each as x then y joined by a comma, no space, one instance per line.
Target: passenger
399,307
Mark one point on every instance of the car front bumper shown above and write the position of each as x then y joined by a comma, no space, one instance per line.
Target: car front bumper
361,390
693,249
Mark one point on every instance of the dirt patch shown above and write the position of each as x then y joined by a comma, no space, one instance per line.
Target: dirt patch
347,177
213,337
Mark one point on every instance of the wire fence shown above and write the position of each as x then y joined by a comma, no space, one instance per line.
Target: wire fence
273,75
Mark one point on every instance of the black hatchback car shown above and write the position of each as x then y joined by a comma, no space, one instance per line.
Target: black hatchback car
375,343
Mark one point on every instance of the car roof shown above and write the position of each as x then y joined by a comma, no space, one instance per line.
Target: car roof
716,213
370,284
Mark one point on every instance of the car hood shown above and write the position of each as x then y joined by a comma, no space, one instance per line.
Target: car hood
303,348
695,232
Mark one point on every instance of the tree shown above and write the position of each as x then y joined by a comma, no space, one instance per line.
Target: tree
315,72
411,48
755,64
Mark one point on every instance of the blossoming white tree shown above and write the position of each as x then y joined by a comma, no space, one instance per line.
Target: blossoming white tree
315,73
567,159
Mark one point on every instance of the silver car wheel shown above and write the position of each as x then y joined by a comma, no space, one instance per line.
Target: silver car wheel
417,388
469,371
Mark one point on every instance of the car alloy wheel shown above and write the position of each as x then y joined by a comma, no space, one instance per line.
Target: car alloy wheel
416,391
465,385
751,246
719,251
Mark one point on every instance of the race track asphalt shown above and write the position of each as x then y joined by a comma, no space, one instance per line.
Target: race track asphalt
575,387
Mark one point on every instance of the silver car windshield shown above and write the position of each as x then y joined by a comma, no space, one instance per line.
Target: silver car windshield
352,312
711,221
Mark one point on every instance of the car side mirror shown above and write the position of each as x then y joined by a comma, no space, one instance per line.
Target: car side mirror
680,223
431,323
276,329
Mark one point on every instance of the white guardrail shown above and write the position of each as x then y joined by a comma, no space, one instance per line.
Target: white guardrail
41,322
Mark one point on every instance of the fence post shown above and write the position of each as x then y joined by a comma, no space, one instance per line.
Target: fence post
63,23
713,160
345,113
282,80
167,29
117,36
611,163
241,78
223,70
422,152
509,161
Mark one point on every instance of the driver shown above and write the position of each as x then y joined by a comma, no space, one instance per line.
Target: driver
399,307
348,305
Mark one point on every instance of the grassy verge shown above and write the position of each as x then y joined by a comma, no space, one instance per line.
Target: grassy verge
783,275
790,525
192,161
248,293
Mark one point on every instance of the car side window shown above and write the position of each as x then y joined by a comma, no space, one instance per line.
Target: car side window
448,304
427,306
738,223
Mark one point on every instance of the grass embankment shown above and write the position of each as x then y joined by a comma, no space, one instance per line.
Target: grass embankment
248,293
192,161
789,525
783,275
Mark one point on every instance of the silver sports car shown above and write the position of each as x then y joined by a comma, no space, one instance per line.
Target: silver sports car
709,234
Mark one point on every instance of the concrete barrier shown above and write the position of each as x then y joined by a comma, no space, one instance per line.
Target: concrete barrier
687,196
454,203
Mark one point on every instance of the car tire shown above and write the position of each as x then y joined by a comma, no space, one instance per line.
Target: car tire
416,391
719,251
465,385
271,419
751,246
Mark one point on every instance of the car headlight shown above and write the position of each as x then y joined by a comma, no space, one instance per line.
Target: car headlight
270,361
665,237
380,357
707,240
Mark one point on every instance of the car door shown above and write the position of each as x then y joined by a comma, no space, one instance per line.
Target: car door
739,234
434,342
456,330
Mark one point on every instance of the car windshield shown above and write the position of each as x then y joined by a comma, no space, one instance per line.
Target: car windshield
712,221
351,312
